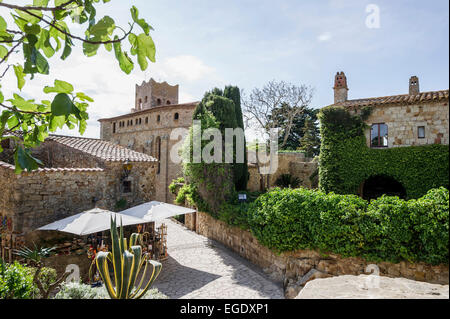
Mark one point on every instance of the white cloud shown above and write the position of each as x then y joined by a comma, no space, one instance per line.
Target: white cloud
326,36
183,68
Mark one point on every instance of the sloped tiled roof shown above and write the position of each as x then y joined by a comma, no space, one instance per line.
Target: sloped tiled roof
46,169
102,149
403,99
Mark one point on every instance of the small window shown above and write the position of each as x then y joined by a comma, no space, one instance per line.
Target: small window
146,120
158,119
176,116
158,102
127,187
140,121
114,128
168,103
146,99
379,135
421,131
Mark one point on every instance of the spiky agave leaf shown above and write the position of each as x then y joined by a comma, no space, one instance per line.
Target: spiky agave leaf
101,260
127,265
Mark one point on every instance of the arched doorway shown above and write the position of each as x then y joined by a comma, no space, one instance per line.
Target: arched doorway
379,185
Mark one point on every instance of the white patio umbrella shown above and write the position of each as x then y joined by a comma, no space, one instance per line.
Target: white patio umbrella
90,222
154,211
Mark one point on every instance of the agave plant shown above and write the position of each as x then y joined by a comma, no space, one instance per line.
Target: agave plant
127,264
35,255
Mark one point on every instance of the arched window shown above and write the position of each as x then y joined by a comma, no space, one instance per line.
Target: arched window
146,99
158,102
176,116
158,118
140,104
379,135
146,120
168,103
158,153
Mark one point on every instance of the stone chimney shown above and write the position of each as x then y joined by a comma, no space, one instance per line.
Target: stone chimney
340,88
414,85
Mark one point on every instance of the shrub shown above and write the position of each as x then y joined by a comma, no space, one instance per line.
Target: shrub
386,229
76,290
430,220
16,281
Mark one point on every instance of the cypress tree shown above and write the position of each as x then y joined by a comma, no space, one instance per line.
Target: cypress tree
240,169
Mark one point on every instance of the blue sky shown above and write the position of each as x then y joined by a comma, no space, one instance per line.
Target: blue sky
207,43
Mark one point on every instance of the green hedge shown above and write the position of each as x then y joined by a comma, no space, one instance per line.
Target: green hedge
386,229
346,161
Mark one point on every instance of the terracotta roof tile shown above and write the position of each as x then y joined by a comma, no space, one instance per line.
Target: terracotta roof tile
102,149
422,97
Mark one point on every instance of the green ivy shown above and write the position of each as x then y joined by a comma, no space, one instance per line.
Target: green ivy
346,161
386,229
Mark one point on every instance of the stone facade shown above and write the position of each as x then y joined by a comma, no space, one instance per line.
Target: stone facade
417,118
156,130
72,182
291,267
295,164
403,123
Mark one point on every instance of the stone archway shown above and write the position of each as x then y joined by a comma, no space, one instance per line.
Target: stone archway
378,185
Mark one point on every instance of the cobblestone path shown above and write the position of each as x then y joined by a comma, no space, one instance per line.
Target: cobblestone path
198,268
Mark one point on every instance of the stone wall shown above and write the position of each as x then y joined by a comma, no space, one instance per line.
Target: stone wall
40,197
7,178
403,122
293,266
295,164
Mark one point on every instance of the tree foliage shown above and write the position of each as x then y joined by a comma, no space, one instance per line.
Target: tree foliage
310,141
41,30
277,105
216,182
297,131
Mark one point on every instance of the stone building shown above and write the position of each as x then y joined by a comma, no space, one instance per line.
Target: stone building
79,174
416,118
148,128
405,120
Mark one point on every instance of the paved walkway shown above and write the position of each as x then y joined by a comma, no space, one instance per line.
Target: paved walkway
198,268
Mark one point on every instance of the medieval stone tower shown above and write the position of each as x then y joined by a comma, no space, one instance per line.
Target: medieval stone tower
148,129
340,88
153,94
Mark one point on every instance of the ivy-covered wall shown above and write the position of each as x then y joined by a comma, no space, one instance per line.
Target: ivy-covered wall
346,161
